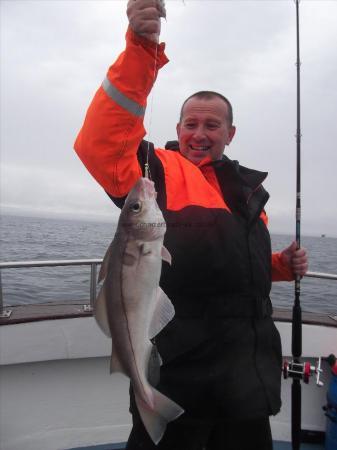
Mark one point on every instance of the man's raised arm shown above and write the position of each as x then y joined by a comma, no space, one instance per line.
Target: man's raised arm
113,128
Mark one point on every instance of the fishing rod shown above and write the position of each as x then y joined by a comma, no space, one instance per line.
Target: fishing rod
296,344
296,369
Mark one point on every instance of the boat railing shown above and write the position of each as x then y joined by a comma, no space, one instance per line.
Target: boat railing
93,263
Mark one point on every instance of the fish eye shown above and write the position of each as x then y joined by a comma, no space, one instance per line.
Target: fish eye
136,207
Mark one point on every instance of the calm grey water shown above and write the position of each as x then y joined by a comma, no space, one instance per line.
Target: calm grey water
27,238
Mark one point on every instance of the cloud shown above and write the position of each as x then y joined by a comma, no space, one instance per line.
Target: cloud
56,54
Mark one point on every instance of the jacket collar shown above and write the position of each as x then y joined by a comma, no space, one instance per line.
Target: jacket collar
250,178
241,187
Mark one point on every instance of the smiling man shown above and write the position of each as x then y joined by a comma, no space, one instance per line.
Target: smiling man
205,126
221,352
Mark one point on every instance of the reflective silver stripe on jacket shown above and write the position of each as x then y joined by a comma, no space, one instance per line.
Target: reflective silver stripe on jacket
122,100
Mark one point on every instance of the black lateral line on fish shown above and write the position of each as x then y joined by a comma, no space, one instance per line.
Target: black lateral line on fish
127,324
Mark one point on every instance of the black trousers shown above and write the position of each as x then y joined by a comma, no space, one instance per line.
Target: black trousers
218,385
201,435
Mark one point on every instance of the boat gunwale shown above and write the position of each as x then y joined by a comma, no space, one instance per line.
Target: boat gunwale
16,314
71,310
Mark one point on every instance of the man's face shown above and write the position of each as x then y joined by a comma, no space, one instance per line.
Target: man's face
204,129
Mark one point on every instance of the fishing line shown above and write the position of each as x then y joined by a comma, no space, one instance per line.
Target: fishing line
147,172
149,128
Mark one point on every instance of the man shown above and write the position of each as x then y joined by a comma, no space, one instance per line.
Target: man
221,352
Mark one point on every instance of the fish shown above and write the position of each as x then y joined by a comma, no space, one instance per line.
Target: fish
131,308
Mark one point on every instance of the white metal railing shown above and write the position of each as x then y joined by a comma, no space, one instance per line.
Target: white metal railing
93,263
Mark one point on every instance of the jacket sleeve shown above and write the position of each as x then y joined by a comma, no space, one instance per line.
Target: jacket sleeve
280,272
113,127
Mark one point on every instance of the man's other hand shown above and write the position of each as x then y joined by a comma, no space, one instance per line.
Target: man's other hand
295,259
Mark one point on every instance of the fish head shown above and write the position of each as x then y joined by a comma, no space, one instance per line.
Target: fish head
141,214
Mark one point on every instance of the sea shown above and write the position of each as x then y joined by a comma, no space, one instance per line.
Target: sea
35,238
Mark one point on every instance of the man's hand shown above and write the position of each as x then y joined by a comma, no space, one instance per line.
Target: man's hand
144,17
296,260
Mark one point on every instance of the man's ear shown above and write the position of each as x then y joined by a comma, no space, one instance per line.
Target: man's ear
231,134
178,129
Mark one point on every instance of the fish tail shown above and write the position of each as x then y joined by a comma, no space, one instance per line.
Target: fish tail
155,420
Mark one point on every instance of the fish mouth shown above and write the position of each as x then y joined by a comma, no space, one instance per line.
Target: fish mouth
145,189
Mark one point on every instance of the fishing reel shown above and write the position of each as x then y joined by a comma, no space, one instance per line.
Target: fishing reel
303,371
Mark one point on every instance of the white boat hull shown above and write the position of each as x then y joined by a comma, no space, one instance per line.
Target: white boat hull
57,393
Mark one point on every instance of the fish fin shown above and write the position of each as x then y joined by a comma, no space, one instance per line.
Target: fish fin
115,364
153,367
166,255
100,312
155,420
163,313
104,266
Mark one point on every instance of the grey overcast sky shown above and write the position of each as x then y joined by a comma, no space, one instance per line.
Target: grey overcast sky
55,55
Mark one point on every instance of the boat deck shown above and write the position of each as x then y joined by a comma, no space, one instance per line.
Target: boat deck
278,445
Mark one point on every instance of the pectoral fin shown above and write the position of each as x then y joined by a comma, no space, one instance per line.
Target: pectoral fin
166,255
163,313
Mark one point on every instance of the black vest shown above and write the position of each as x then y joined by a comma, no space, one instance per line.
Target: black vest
220,282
